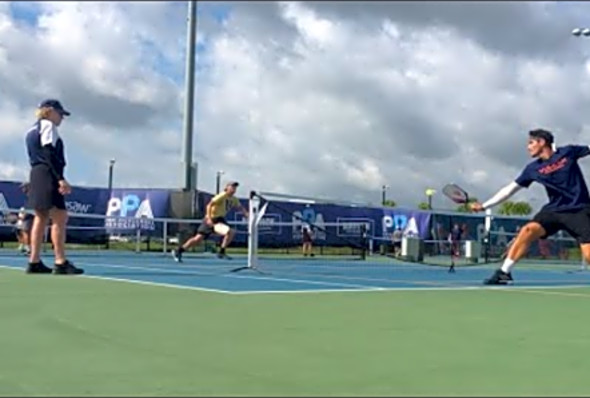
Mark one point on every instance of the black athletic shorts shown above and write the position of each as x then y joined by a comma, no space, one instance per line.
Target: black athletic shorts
44,190
208,230
576,223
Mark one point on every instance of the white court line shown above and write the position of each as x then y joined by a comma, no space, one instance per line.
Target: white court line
181,272
137,282
355,288
305,281
549,293
414,289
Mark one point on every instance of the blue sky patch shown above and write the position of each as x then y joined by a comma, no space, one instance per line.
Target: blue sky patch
25,12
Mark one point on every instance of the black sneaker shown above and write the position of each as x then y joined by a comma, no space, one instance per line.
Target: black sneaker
222,255
177,255
38,268
67,268
499,278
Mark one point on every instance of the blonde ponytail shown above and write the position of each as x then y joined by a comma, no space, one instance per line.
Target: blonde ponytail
43,113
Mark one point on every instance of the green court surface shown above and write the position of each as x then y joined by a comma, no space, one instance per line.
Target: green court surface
81,336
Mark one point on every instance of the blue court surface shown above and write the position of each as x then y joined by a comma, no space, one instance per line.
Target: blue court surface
298,275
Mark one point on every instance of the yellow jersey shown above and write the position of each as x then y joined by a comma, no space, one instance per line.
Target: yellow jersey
221,204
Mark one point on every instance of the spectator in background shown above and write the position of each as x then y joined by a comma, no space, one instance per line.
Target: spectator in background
307,240
23,229
455,239
396,238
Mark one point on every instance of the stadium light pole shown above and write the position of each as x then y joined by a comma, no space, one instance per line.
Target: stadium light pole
384,194
110,187
111,169
429,194
189,100
218,180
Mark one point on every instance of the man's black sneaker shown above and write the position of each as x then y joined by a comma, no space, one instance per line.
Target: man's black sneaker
38,268
67,268
223,255
177,255
499,278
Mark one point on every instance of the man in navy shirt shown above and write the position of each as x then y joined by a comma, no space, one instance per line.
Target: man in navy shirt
568,208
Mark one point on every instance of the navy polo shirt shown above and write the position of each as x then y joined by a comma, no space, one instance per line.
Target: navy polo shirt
44,146
562,178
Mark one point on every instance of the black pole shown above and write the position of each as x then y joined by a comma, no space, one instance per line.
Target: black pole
218,182
189,100
383,198
111,178
110,187
429,202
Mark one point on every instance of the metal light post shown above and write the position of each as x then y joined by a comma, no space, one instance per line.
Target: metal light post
189,100
218,180
110,186
429,194
384,194
111,167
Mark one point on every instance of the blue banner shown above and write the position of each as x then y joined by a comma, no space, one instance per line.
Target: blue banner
336,225
412,223
140,207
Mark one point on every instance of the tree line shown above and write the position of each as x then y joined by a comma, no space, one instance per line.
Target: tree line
508,208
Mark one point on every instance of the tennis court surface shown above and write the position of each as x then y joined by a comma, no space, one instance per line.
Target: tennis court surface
141,324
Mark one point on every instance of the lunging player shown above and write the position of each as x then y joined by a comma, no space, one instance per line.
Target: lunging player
215,222
569,202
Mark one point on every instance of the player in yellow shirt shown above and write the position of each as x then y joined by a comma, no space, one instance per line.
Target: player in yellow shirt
215,222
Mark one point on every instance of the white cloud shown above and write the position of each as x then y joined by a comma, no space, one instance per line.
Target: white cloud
10,171
292,97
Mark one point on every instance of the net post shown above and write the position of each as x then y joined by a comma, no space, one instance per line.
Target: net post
137,239
165,236
364,241
253,205
487,231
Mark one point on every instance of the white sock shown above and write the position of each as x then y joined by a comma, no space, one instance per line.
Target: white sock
508,264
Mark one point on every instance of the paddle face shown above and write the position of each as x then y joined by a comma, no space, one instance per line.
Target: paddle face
455,193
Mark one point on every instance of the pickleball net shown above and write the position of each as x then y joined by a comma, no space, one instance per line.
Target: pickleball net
279,226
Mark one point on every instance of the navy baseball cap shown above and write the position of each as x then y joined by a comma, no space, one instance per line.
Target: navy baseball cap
544,134
55,104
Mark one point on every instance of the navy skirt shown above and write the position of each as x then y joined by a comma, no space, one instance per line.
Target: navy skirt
44,190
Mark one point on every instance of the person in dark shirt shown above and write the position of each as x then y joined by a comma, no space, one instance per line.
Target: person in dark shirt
23,226
455,237
568,208
47,187
307,240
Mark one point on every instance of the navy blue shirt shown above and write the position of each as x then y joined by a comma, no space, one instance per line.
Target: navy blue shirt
562,178
44,146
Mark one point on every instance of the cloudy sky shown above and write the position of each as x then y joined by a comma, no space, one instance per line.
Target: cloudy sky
320,99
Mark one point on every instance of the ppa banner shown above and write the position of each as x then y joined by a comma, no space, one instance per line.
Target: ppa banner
139,207
80,201
412,223
334,225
